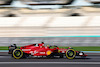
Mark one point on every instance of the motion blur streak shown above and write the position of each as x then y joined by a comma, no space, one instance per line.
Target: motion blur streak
49,65
49,62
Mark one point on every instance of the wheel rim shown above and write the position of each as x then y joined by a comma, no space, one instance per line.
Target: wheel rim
70,54
17,53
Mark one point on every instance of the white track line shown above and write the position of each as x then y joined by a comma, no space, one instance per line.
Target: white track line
49,62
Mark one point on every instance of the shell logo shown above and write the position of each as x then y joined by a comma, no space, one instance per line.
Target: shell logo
48,52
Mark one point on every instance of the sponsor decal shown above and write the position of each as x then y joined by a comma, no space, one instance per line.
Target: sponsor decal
42,52
33,52
48,52
26,49
63,51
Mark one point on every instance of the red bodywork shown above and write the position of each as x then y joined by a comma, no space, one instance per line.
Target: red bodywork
41,50
37,50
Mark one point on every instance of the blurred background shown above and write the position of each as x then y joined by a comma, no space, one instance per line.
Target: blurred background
53,8
53,18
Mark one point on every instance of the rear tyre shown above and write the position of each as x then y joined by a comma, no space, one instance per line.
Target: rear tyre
70,53
17,53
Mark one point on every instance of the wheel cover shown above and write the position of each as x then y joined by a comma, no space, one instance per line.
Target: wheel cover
70,53
17,53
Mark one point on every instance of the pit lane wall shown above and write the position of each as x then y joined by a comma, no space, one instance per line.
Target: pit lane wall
59,41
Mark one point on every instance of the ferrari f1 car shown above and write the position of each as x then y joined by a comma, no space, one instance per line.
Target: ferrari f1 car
41,50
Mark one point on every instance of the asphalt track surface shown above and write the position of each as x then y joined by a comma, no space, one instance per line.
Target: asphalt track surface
90,58
48,65
90,61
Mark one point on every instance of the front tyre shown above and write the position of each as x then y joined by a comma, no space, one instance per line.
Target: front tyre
17,53
70,53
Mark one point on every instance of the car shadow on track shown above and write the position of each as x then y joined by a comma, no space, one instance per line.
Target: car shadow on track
52,58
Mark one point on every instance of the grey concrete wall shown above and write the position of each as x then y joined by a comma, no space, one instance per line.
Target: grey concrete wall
60,41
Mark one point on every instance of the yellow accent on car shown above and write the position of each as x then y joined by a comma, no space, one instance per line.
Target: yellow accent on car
73,56
16,56
47,45
58,51
48,52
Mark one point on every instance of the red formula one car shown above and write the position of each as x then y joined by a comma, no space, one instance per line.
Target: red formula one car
41,50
